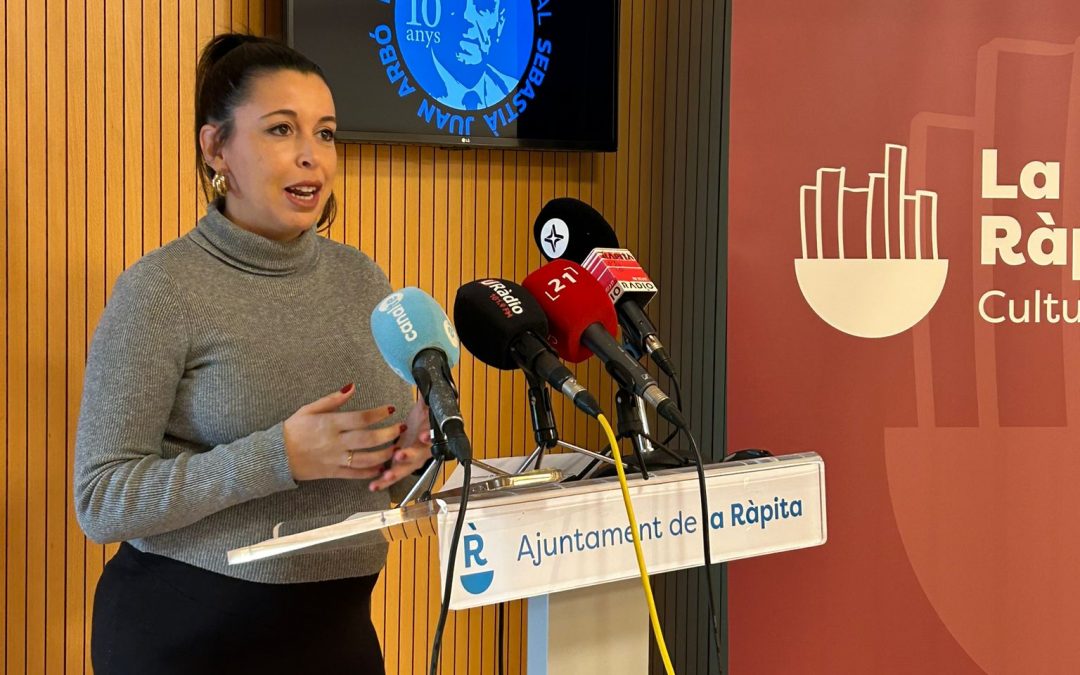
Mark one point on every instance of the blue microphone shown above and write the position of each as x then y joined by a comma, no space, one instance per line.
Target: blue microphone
419,343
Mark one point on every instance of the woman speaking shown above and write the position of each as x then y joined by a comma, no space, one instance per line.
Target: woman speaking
233,383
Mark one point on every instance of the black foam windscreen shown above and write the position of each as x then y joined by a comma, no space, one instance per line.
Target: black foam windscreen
570,229
491,314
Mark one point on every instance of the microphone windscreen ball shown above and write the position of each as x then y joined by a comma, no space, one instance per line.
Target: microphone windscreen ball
569,228
491,314
408,321
572,301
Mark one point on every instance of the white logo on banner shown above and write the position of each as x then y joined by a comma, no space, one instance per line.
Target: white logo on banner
871,297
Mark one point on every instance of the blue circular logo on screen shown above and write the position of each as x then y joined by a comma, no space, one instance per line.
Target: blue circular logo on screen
466,54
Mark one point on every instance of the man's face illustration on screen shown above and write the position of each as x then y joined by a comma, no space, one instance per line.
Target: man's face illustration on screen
470,29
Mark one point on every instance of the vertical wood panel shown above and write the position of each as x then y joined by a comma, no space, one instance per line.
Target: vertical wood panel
351,192
4,448
170,133
17,181
54,460
667,589
239,16
222,16
36,333
98,152
75,343
132,123
367,199
692,270
95,239
151,102
256,17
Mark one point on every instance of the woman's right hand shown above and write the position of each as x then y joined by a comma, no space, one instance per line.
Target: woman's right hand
321,442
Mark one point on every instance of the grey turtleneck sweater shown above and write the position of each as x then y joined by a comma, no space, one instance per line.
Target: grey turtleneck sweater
205,347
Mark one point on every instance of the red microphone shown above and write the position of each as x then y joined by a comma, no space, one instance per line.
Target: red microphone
581,320
572,301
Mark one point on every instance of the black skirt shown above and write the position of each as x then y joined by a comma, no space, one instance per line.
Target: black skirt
156,615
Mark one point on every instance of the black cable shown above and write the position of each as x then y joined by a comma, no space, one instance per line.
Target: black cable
705,530
678,404
500,613
436,645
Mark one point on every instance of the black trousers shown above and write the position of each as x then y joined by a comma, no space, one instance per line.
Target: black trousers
155,615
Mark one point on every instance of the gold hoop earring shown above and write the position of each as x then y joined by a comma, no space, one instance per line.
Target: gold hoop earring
219,185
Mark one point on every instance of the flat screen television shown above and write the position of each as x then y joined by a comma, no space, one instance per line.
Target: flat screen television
492,73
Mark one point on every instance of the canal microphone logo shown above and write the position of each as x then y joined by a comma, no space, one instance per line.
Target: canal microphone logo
478,581
894,278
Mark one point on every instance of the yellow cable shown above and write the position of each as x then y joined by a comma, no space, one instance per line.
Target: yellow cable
637,545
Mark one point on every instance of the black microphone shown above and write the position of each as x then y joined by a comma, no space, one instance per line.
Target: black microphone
570,229
503,326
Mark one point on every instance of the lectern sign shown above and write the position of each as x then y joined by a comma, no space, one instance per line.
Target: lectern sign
575,535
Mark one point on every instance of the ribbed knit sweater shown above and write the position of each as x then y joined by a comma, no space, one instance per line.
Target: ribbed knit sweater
205,347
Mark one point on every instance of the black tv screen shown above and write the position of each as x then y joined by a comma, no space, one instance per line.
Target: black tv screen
503,73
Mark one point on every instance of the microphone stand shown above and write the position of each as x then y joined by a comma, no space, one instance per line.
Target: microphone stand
632,424
440,452
543,423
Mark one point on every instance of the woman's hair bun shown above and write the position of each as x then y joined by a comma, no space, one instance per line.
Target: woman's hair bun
219,46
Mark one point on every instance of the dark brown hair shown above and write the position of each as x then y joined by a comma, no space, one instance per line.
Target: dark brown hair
227,66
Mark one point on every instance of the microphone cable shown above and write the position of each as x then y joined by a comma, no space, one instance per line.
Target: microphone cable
436,645
706,515
644,573
500,614
705,530
678,404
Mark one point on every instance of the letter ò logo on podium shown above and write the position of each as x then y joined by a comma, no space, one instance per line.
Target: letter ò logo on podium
478,581
899,276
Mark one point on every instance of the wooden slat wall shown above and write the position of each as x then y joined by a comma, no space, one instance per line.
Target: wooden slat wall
691,266
97,167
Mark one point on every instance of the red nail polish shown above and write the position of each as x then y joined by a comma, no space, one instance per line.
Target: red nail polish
347,388
402,428
391,410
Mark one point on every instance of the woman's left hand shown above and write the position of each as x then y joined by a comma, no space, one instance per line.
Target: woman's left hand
412,449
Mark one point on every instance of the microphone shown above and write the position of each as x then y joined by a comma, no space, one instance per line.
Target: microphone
418,342
505,327
582,320
570,229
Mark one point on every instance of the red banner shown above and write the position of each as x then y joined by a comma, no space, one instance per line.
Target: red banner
904,299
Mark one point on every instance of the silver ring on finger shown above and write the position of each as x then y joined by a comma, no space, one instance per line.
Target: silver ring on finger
348,458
